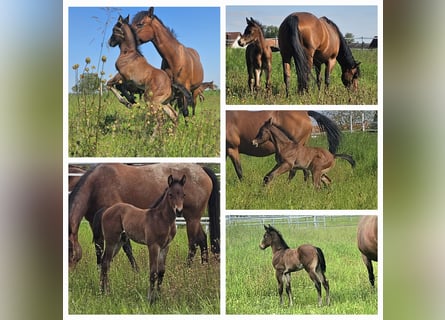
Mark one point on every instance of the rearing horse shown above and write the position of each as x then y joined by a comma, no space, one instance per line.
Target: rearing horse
133,66
182,64
312,42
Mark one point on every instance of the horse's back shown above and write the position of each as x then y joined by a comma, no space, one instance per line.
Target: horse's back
367,236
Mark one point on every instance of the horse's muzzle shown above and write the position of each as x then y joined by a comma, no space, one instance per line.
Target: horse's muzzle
178,212
255,143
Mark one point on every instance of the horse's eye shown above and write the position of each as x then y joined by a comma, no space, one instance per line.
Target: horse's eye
139,25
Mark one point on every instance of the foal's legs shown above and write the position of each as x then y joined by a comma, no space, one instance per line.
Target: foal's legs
314,277
277,170
286,280
368,264
153,252
279,275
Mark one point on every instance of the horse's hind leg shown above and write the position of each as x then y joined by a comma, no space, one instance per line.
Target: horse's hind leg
129,251
286,280
314,277
368,264
171,113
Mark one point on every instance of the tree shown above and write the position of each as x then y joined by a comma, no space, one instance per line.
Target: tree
270,32
350,39
87,84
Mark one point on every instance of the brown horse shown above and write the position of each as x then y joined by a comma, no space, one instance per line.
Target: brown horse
367,243
133,66
242,127
107,184
155,227
199,92
312,42
291,154
258,54
182,64
127,88
286,260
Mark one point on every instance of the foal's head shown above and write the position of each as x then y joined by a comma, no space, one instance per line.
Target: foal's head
118,35
272,237
263,134
253,31
175,194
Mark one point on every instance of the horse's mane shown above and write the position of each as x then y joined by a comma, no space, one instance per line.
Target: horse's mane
259,24
135,37
286,133
345,54
280,236
141,14
79,185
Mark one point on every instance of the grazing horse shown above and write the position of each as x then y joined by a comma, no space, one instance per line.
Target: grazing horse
258,54
107,184
367,243
291,154
199,92
242,127
312,42
286,260
133,66
182,64
155,227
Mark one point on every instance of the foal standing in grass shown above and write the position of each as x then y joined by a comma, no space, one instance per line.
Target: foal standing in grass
286,260
290,154
155,227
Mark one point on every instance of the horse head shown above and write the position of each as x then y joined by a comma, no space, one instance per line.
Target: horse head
252,32
176,194
263,134
350,76
118,35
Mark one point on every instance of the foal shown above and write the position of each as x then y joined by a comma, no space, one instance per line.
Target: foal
290,154
286,260
155,227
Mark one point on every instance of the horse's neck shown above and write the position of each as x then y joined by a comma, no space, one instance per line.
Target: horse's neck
164,210
279,138
278,247
165,43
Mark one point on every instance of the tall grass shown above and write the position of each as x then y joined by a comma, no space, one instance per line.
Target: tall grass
99,126
350,189
185,290
251,287
237,91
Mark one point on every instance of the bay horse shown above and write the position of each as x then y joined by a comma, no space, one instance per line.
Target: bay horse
312,42
182,64
242,127
108,183
202,87
258,54
290,154
155,227
367,243
133,66
286,260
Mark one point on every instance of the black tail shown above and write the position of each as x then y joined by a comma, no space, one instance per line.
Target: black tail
347,157
97,226
330,127
321,260
188,96
274,49
214,212
298,53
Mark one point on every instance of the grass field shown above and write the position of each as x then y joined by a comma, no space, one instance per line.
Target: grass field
185,290
251,287
237,91
350,188
103,127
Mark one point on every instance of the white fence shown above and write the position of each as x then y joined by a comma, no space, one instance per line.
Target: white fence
302,221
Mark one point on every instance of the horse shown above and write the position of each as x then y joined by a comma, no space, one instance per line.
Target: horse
106,184
75,173
367,243
133,66
258,54
286,260
242,126
290,154
199,92
155,227
182,64
127,88
312,42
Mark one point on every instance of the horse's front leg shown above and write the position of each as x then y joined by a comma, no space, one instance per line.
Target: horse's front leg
154,252
197,237
120,98
161,266
276,171
286,281
279,277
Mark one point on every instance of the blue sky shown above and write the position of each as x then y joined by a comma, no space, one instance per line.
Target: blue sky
195,27
361,21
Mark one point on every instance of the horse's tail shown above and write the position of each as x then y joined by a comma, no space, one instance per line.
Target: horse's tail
97,225
321,261
298,52
214,212
330,127
188,96
347,157
274,49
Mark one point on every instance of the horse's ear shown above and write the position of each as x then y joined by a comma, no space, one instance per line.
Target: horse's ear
170,180
127,19
151,12
269,122
247,20
120,19
182,182
265,227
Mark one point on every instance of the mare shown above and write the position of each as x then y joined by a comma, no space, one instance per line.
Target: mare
258,54
286,260
290,154
155,227
242,127
312,42
182,64
133,66
367,243
140,185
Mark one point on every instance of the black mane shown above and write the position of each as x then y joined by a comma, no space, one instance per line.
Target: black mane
141,14
280,236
